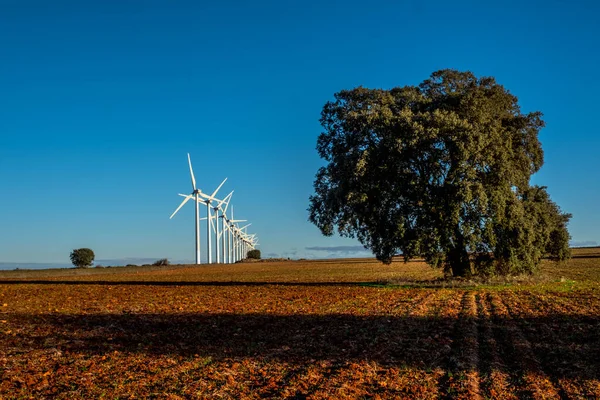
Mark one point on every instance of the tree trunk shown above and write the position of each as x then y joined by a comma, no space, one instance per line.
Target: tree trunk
458,258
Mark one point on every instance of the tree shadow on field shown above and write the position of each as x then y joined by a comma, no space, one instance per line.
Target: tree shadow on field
566,346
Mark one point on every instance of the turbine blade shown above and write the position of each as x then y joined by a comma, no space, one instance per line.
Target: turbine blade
225,200
212,224
181,205
207,197
228,201
217,189
192,172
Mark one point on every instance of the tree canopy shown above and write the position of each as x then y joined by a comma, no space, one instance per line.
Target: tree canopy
82,258
254,253
441,171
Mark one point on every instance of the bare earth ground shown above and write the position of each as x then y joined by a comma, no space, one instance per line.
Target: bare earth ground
298,330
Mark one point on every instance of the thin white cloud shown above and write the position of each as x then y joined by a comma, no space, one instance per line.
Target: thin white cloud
338,249
584,243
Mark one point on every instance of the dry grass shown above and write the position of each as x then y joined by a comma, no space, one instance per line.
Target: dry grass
583,267
346,270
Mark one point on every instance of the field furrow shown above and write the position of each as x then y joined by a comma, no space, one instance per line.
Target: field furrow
567,352
496,381
535,383
462,376
420,304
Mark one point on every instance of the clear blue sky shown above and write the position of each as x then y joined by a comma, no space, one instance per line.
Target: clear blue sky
101,100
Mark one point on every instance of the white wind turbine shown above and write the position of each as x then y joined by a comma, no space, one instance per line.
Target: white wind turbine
252,241
237,243
196,194
242,241
215,217
208,200
233,237
224,226
218,228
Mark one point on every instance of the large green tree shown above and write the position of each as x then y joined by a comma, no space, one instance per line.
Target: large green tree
441,171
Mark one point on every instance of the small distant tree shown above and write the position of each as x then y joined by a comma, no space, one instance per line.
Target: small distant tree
255,254
163,262
82,258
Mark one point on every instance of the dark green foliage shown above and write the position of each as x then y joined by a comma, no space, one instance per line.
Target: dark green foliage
82,258
255,254
163,262
439,171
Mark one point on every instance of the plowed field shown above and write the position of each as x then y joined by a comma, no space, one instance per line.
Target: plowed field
298,330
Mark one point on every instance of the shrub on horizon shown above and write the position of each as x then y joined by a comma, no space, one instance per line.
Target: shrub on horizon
82,258
254,254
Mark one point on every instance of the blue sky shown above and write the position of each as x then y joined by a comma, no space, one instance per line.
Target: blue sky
101,100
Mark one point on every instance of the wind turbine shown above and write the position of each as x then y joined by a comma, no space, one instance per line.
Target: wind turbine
233,237
242,241
195,194
224,225
208,200
217,233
